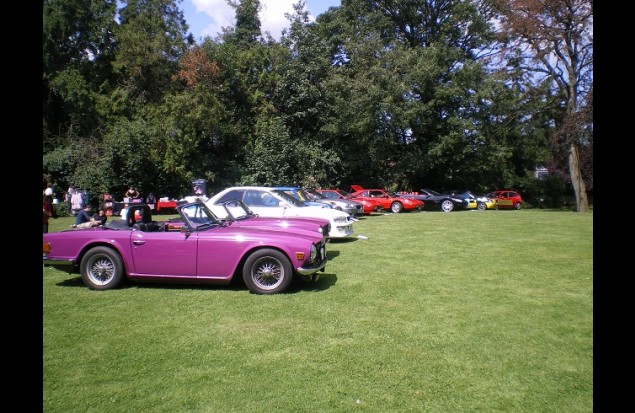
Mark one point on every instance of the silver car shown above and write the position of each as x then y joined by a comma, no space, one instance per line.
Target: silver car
346,205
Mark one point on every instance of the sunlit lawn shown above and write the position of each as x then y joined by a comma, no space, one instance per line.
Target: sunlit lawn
471,311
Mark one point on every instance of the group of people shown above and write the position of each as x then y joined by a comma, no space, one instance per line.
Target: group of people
83,211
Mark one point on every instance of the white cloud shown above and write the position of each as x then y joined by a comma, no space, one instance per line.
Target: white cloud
219,14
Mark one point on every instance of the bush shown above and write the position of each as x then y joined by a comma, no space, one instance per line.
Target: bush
61,210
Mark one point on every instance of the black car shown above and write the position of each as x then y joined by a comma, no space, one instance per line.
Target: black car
434,201
471,201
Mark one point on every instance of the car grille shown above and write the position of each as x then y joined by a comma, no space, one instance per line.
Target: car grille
321,252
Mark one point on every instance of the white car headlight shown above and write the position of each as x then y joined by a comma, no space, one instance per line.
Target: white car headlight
313,252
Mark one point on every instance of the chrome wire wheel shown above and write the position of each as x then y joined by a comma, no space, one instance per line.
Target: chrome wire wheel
100,270
267,273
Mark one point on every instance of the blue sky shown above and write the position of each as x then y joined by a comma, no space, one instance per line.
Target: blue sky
207,17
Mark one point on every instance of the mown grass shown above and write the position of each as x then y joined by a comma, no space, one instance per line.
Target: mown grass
466,311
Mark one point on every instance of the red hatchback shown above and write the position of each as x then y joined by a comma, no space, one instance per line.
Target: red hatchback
388,201
506,199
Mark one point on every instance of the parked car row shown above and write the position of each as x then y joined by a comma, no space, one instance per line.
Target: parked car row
389,201
461,200
268,236
277,203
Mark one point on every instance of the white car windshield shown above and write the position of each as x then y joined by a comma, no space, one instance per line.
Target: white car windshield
293,201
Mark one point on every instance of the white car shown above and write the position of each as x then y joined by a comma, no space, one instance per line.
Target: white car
269,202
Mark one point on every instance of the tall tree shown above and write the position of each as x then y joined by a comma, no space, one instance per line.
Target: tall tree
402,95
152,36
78,46
555,38
247,30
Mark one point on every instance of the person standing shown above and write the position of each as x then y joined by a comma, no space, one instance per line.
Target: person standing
49,190
68,197
77,201
131,193
124,212
47,212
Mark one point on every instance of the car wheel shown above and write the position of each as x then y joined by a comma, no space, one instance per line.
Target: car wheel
447,205
396,207
102,268
267,271
518,205
481,206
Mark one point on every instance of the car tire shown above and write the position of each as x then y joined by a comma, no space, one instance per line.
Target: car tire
481,206
447,205
396,207
267,271
101,268
518,206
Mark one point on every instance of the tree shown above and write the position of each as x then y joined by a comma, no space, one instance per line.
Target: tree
247,32
555,39
152,36
405,99
78,47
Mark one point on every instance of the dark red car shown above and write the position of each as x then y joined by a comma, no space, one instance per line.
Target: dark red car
389,201
506,199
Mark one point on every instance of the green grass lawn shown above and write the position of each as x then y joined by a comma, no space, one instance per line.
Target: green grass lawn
470,311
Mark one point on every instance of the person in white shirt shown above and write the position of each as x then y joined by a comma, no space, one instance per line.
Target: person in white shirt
124,212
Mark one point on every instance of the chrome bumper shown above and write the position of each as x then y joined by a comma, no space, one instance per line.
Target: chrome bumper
304,271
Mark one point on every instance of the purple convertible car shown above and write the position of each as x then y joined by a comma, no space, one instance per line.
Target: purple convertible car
197,248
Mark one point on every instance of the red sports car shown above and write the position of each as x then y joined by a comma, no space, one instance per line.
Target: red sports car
506,199
389,201
370,205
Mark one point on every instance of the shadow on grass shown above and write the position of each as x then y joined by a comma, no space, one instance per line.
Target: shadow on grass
342,240
236,285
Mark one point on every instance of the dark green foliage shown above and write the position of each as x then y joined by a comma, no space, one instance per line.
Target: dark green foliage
152,37
401,95
61,210
247,30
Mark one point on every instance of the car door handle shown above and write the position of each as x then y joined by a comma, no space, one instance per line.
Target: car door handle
138,242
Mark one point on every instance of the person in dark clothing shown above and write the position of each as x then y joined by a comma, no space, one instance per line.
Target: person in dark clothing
47,212
100,217
83,218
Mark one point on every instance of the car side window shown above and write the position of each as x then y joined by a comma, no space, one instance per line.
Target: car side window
252,198
230,196
266,199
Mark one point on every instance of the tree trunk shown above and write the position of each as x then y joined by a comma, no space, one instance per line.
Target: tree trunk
579,188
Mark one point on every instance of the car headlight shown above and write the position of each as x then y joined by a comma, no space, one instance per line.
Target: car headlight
313,252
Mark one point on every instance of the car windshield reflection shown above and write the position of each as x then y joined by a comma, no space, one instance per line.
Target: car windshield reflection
198,216
237,210
293,201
